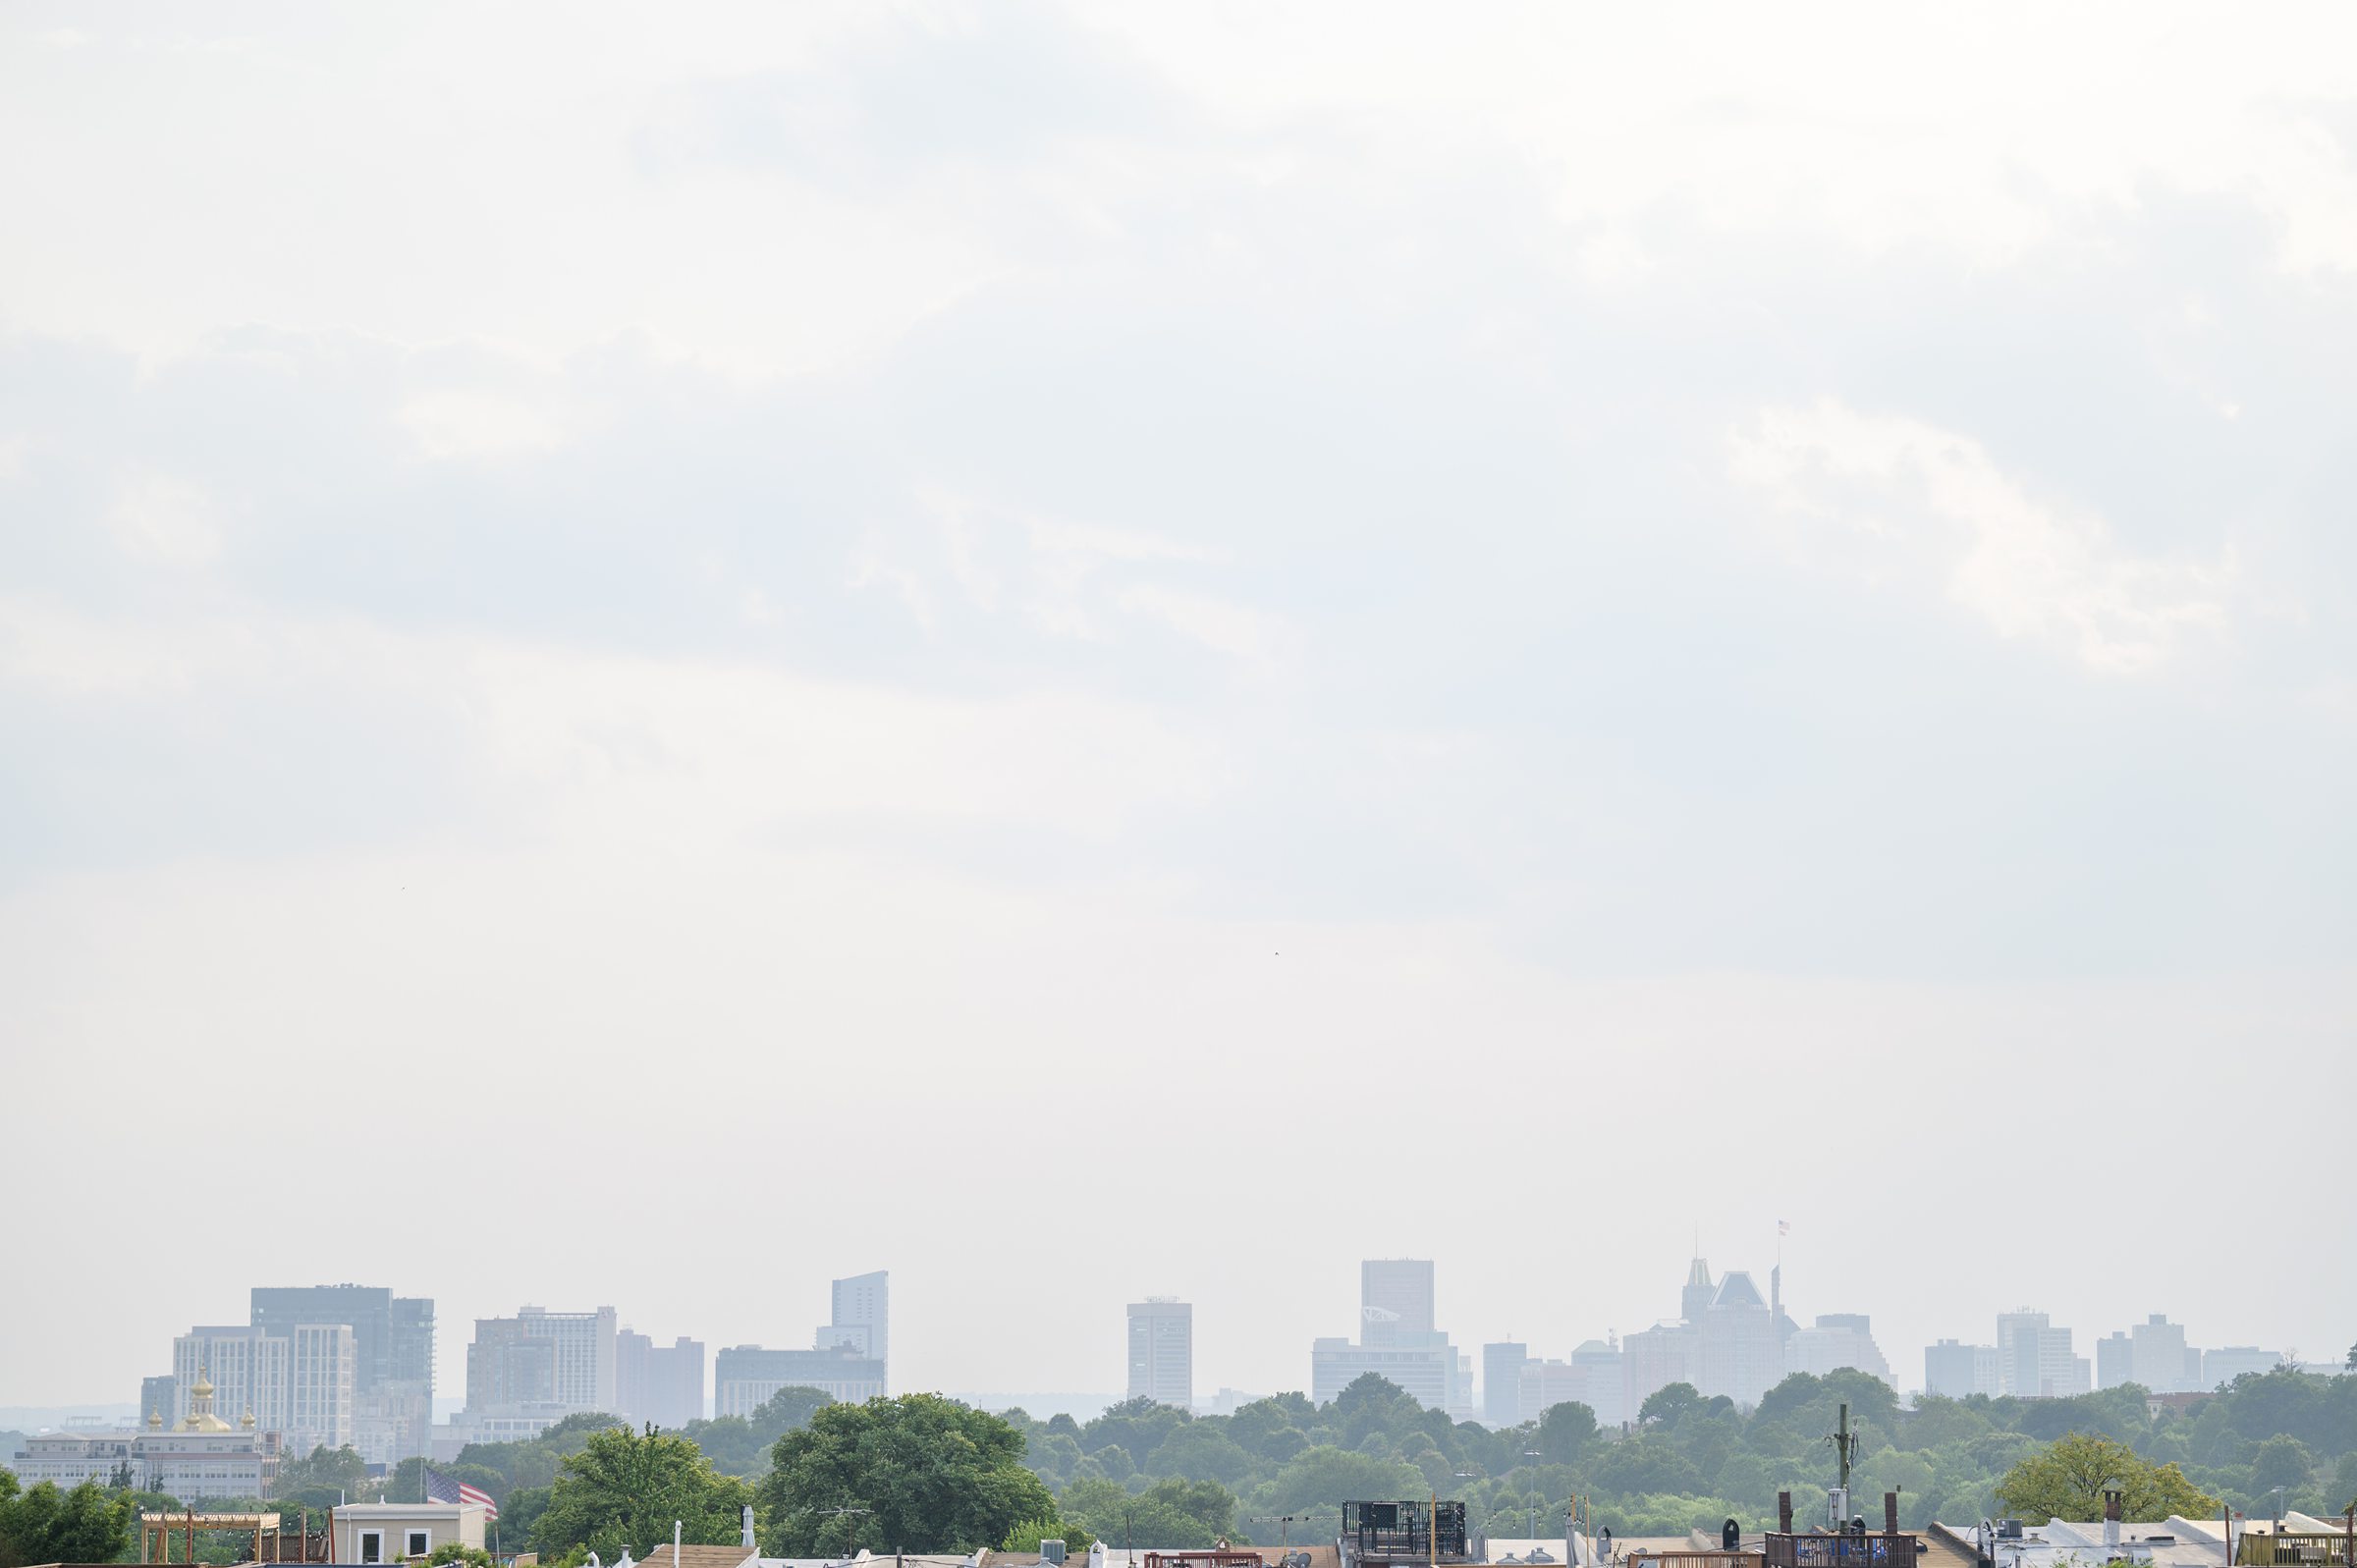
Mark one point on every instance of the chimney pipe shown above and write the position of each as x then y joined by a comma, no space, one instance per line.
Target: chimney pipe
1783,1513
1890,1513
2112,1512
747,1541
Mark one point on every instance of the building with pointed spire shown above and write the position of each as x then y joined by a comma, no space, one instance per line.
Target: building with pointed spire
198,1458
1725,1340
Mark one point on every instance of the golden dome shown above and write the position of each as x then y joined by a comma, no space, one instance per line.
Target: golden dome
201,1416
155,1417
247,1421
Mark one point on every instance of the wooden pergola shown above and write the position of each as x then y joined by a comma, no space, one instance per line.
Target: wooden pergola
156,1530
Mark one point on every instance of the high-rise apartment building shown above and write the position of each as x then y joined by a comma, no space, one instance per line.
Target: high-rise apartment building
1161,1351
1395,1301
2034,1359
1502,1383
248,1370
505,1366
2115,1359
664,1385
2158,1350
320,1393
862,1321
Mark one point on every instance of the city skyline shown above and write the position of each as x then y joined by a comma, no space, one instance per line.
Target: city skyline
1906,1361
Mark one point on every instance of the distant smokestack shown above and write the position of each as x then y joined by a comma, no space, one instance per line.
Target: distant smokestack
1890,1513
1783,1513
747,1541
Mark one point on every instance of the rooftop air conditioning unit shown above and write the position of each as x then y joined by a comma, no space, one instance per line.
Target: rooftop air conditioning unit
1050,1552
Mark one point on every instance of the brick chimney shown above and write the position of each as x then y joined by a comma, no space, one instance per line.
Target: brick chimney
1783,1513
2112,1512
1890,1513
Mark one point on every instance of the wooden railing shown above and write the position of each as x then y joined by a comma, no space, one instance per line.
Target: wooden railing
1842,1551
2297,1549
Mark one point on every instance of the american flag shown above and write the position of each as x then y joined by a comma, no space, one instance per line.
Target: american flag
441,1488
1784,1227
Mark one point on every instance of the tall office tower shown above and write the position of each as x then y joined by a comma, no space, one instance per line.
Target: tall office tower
411,1360
1161,1351
2159,1351
248,1370
1695,1298
1395,1301
1838,1339
320,1390
664,1385
1742,1357
1502,1383
862,1318
366,1308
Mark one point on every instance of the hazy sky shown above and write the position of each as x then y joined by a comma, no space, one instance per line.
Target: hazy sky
647,656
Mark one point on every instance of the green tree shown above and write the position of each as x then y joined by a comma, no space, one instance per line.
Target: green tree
454,1551
933,1475
1190,1515
1566,1432
88,1523
322,1479
2067,1480
1027,1535
738,1446
2281,1461
625,1488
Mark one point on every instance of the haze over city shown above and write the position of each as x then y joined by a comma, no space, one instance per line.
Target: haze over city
652,658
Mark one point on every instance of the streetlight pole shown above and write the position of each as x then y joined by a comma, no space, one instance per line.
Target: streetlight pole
1533,1453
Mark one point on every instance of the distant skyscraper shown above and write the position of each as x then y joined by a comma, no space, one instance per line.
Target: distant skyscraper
2225,1364
505,1366
1502,1383
745,1376
1161,1351
862,1318
664,1385
393,1357
1840,1340
2115,1359
248,1368
1957,1370
1600,1365
1741,1355
1395,1300
320,1394
158,1398
2159,1354
1426,1372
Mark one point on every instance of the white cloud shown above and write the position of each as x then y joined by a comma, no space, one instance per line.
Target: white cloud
162,521
1933,500
471,422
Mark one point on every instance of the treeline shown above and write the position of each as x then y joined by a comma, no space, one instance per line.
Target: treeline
921,1473
1695,1461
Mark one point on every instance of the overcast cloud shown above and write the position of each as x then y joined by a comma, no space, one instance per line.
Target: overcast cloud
646,656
